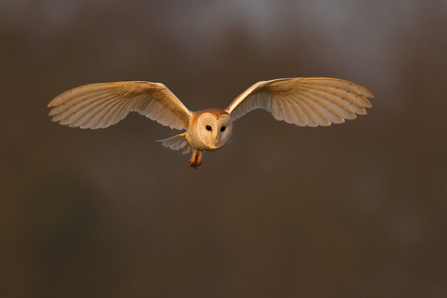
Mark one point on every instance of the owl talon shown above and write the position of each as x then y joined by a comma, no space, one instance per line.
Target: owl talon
196,159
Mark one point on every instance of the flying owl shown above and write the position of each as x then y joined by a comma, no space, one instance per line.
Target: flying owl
301,101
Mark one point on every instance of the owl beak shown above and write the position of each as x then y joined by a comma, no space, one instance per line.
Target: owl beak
216,140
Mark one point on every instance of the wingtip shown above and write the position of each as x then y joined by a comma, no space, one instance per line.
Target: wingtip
365,91
366,102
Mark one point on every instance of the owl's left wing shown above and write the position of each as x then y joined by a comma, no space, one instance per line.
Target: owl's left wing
304,101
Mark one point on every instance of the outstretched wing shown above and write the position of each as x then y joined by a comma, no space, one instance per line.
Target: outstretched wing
101,105
304,101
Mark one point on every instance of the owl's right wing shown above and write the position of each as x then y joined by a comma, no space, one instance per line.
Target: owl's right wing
101,105
304,101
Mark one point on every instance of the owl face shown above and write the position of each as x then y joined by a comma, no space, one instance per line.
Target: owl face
214,130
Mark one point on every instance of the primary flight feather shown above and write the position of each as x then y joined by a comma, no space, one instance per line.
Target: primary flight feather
301,101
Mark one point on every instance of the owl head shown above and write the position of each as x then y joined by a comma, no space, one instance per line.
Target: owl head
214,128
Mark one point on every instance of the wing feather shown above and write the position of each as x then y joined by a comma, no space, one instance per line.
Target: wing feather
62,113
300,121
323,110
304,101
276,111
88,120
108,111
334,112
89,112
101,105
99,114
110,118
346,86
341,99
177,142
287,112
336,105
307,114
318,114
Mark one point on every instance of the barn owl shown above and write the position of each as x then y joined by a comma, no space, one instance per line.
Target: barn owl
301,101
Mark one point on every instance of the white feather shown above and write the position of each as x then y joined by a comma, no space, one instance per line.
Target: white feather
101,105
310,101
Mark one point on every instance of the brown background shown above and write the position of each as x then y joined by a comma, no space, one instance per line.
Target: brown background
351,210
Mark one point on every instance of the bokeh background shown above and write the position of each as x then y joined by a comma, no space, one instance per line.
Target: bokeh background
351,210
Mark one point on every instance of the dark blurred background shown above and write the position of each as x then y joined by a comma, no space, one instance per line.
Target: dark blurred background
351,210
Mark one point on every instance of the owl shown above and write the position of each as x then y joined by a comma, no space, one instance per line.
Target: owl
301,101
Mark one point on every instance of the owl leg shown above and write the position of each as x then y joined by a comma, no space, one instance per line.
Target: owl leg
196,159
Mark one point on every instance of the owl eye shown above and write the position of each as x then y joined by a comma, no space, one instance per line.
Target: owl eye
222,128
208,128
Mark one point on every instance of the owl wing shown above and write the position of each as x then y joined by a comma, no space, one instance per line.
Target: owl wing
304,101
101,105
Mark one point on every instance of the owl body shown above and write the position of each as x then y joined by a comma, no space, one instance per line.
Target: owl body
300,101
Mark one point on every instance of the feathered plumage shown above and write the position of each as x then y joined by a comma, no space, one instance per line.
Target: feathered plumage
301,101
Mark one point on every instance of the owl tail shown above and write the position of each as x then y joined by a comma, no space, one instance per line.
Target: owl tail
176,143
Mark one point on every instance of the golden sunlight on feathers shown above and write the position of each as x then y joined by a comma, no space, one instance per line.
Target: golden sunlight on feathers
304,101
101,105
301,101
